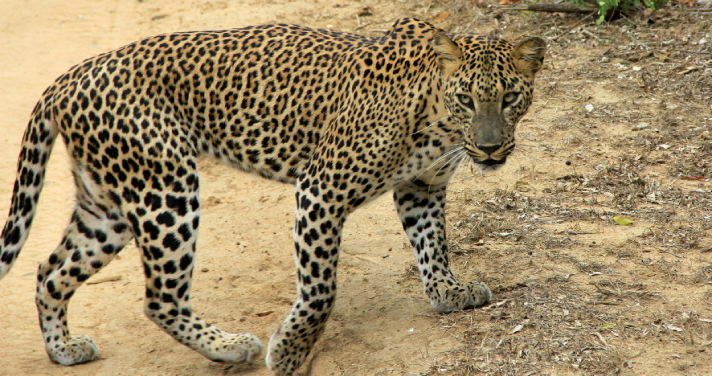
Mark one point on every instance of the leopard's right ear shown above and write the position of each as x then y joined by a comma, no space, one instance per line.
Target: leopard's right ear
528,55
449,54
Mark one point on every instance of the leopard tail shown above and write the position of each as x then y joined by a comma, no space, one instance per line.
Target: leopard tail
37,145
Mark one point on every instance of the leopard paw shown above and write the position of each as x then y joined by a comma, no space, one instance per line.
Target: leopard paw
456,298
76,350
234,348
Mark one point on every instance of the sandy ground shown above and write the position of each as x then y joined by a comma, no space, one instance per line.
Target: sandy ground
575,293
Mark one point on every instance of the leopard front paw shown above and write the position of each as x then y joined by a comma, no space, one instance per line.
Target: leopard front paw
479,293
288,349
75,350
456,298
282,359
232,348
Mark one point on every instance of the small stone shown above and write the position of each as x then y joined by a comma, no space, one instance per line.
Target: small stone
589,107
568,163
706,135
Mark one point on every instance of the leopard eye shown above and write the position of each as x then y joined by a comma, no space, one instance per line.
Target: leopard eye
509,98
466,101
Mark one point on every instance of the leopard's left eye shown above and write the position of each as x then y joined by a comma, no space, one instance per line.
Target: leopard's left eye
509,98
466,101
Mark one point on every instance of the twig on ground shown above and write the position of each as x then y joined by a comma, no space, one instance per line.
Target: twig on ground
572,27
666,251
693,52
104,279
592,35
551,8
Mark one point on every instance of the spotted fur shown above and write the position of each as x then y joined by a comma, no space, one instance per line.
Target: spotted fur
342,117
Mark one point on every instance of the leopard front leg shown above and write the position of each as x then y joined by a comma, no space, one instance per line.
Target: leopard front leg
316,237
421,209
167,240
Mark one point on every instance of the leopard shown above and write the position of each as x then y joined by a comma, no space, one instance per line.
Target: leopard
342,117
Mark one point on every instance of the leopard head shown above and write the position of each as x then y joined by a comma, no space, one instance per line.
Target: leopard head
487,85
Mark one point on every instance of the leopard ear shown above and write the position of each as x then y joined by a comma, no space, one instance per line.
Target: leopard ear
529,55
449,54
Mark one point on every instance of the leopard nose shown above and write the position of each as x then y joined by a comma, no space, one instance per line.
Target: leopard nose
489,149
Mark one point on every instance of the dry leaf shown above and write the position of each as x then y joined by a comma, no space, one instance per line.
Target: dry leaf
623,221
518,328
366,11
688,70
673,328
440,17
662,55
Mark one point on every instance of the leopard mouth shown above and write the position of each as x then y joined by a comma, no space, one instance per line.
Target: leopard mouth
489,158
489,162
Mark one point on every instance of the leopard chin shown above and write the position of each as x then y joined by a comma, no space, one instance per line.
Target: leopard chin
489,164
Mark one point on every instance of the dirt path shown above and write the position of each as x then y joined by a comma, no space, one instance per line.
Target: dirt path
245,278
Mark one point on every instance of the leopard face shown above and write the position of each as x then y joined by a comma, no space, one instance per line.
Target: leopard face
487,89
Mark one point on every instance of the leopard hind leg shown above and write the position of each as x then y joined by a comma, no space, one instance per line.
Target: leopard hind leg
96,233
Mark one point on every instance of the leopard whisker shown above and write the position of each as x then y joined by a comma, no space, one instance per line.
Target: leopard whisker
528,146
468,163
438,160
458,157
463,158
445,155
526,153
431,124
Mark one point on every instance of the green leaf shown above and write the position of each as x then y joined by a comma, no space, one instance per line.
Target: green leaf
623,221
601,19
